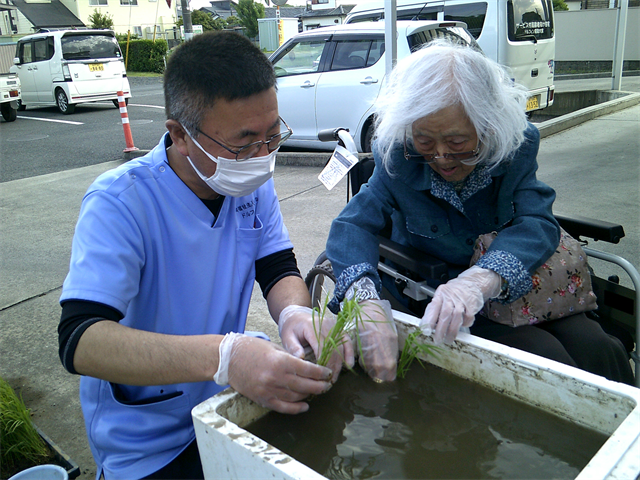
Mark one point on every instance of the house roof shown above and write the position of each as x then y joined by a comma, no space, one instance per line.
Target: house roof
48,15
285,12
339,11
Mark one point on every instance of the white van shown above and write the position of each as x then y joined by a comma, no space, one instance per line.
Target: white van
518,34
68,67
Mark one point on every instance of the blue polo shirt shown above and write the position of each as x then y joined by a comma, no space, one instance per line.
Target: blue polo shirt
147,246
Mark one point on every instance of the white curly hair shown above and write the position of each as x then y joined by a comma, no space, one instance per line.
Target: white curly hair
442,74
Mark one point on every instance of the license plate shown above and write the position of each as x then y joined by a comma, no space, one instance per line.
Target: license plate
96,67
533,103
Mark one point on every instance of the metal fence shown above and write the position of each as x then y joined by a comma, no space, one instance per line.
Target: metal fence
7,52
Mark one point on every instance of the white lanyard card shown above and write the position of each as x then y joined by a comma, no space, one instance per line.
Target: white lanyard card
339,165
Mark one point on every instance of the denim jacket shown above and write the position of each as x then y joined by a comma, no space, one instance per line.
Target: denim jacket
429,215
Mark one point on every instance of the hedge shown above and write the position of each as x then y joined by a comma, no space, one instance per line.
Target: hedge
145,55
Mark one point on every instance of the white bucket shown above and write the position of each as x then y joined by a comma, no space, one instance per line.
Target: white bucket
42,472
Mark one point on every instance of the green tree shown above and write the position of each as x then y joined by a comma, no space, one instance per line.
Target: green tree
232,21
201,18
99,20
560,5
249,12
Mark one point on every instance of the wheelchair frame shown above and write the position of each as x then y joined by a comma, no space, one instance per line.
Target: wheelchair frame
616,304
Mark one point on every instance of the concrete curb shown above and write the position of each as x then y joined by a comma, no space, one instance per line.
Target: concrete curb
581,76
547,128
299,159
564,122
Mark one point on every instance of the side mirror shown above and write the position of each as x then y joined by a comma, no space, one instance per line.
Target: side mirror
16,61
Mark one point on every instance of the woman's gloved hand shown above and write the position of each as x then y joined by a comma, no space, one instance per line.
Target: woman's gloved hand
378,336
268,375
297,330
456,303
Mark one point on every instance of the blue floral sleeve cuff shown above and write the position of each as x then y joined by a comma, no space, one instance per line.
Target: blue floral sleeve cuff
511,269
350,275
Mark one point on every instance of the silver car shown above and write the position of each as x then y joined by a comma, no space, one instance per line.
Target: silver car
330,77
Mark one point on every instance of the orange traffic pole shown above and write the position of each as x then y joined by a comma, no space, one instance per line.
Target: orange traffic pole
125,123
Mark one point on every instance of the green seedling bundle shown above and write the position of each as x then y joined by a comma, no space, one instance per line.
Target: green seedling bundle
347,322
21,443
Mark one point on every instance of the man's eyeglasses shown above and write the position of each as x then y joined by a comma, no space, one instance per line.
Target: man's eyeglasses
428,158
250,150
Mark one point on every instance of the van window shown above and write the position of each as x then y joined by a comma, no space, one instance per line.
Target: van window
43,49
25,52
473,14
455,34
417,13
89,46
529,19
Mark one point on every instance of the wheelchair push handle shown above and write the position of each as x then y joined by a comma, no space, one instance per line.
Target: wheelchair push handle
340,135
330,134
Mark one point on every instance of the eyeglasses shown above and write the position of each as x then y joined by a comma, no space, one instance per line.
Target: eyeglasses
428,158
244,153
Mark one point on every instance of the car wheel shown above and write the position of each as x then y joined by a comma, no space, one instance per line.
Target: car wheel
21,106
63,103
117,102
9,114
368,137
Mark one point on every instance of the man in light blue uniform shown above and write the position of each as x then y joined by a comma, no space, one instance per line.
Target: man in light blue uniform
164,259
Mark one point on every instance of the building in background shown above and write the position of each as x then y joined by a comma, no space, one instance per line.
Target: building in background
141,17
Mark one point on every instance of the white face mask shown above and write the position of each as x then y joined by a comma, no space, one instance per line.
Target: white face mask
237,179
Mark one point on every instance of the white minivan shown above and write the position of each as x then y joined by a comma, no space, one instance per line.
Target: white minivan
68,67
518,34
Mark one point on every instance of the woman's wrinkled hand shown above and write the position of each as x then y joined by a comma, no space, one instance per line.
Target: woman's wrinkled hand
456,303
378,340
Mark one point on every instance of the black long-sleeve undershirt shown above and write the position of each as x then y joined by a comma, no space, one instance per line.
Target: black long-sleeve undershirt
78,315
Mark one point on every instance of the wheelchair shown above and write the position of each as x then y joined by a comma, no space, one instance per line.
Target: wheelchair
416,274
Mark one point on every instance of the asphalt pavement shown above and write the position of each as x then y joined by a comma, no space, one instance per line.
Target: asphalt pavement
594,167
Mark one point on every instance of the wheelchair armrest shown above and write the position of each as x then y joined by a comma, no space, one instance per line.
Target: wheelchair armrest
578,226
413,260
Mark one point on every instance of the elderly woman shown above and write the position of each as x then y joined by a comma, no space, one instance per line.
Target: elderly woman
456,158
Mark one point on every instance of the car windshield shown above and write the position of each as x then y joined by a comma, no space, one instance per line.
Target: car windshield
86,46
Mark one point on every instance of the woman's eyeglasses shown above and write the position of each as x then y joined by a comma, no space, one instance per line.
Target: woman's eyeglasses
427,158
244,153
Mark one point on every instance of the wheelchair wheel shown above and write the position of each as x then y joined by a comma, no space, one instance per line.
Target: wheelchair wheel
321,282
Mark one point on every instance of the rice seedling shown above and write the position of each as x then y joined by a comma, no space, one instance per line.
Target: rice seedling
410,351
21,443
346,323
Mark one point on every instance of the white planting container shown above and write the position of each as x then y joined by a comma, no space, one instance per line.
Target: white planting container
611,408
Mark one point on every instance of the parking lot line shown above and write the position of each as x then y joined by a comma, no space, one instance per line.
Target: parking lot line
51,120
161,107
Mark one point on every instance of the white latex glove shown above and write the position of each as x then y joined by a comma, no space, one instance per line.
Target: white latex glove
456,303
297,331
268,375
378,340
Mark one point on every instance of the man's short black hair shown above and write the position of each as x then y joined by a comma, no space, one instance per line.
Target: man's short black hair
209,67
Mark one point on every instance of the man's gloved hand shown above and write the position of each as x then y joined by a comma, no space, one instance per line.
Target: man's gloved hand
378,336
297,330
268,375
456,303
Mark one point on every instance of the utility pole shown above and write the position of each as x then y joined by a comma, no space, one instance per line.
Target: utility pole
390,39
618,46
186,20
